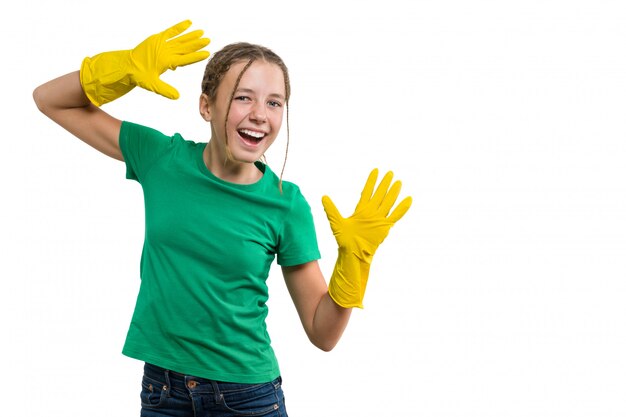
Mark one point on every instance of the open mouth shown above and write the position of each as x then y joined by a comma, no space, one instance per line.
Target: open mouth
250,136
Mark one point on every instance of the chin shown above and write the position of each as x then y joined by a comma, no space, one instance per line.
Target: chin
246,158
244,155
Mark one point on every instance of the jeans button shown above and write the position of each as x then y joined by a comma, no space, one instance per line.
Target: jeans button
192,384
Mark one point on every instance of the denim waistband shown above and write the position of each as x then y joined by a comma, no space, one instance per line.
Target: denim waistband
182,382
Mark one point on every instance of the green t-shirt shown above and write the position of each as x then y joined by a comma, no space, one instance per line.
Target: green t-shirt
208,248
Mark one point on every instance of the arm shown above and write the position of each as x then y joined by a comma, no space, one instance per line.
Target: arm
325,310
323,320
73,100
64,101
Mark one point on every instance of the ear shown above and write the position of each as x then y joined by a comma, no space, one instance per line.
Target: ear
205,107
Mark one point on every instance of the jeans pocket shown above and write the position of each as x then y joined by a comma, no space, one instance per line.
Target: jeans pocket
259,400
152,393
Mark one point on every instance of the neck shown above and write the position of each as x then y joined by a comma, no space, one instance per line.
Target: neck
227,169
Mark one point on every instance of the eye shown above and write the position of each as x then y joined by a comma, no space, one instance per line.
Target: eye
242,98
275,104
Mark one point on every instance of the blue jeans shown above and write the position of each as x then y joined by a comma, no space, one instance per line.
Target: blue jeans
168,393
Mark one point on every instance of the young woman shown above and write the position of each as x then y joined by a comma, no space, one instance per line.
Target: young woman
216,218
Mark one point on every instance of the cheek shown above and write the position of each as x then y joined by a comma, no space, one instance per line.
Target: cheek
235,116
277,119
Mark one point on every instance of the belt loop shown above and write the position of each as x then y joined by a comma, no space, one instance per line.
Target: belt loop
167,387
219,397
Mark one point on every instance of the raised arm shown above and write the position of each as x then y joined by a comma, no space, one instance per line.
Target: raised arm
325,310
64,101
73,100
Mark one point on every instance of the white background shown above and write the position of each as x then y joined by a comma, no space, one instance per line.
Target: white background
501,293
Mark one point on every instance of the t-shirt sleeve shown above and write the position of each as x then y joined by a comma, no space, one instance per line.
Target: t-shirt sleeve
141,146
298,240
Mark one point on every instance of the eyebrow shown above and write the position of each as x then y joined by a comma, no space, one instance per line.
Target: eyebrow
250,91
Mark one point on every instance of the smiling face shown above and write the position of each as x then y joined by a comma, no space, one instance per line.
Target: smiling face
244,128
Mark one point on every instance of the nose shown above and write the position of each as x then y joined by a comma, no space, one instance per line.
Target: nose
258,112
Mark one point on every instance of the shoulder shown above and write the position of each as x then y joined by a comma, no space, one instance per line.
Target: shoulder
137,135
136,130
144,147
282,189
131,129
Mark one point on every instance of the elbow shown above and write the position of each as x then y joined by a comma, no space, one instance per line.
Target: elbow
324,341
325,348
325,345
39,98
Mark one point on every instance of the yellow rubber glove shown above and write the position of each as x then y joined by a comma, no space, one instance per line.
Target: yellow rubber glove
109,75
359,235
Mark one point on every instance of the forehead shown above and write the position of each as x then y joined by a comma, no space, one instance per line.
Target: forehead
260,75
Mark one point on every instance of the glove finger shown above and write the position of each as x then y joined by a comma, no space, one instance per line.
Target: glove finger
177,29
366,194
382,189
401,210
331,210
162,88
188,48
182,60
390,198
187,37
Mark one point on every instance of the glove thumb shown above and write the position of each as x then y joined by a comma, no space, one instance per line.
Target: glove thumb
162,88
331,210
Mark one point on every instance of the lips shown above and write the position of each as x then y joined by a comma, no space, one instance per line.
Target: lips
251,137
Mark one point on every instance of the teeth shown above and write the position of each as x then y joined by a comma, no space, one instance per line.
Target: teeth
252,133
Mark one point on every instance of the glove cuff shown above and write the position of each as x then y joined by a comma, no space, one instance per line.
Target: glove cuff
347,285
103,76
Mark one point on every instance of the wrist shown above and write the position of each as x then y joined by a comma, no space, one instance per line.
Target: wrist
105,76
345,285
